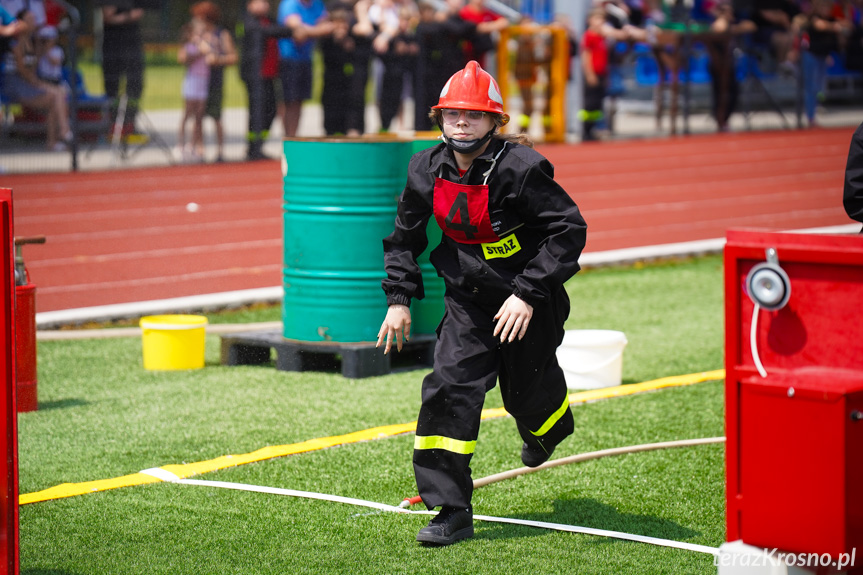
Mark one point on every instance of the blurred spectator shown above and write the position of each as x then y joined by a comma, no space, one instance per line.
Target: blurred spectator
346,53
259,68
9,27
852,12
619,24
724,86
123,57
820,39
224,53
196,54
481,44
22,85
307,20
399,63
51,56
384,17
440,34
594,65
36,7
638,12
619,30
774,20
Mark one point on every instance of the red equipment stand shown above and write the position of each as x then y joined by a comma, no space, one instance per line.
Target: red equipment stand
794,392
9,435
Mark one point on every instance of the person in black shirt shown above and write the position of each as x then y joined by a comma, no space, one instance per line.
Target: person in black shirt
346,54
399,61
440,35
259,67
123,57
774,22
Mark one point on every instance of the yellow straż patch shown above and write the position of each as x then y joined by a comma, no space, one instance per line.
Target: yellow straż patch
501,249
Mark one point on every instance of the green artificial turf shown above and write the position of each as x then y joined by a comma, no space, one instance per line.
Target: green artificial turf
102,416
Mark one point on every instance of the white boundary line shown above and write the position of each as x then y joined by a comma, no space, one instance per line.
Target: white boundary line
50,319
136,309
169,477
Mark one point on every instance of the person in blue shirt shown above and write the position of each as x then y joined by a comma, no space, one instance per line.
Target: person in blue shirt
307,20
9,27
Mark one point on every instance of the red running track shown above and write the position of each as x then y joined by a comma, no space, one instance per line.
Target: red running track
126,235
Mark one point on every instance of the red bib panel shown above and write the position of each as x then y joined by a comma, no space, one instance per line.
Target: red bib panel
461,212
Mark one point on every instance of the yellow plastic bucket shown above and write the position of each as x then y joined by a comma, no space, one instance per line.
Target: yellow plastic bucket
173,341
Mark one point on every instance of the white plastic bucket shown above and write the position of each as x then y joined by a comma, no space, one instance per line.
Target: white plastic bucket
592,358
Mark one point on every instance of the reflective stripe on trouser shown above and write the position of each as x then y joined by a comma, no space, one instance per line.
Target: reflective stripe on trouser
469,359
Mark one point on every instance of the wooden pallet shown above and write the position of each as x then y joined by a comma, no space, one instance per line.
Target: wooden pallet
356,360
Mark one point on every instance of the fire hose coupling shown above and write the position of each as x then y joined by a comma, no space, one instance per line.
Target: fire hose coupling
856,415
20,270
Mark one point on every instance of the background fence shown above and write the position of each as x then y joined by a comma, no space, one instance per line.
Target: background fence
22,132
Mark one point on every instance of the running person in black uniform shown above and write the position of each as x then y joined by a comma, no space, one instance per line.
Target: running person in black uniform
511,238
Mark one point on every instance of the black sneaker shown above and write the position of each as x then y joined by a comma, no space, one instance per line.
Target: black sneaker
449,526
534,455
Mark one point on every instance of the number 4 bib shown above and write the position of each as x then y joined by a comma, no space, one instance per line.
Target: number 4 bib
461,212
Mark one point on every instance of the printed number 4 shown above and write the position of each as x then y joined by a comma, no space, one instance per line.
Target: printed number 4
459,207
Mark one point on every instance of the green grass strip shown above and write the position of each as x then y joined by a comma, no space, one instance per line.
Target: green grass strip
191,469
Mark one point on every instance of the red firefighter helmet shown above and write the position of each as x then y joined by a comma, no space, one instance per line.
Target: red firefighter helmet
471,89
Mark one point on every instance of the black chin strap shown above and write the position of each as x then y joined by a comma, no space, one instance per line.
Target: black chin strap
467,146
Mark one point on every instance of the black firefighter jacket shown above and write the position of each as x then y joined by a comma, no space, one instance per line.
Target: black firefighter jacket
524,200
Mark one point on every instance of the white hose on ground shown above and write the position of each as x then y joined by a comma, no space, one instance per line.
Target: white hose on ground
169,477
594,455
408,501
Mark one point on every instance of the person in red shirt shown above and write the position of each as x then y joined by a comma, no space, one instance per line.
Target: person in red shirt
475,11
594,65
54,13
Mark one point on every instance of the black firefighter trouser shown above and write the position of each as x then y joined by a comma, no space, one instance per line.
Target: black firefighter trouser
468,361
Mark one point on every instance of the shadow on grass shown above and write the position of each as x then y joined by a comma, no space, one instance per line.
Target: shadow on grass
62,403
591,513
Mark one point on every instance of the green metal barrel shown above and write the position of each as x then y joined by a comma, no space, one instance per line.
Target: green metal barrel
340,199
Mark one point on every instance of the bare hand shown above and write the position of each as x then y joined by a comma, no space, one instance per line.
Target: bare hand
397,325
512,319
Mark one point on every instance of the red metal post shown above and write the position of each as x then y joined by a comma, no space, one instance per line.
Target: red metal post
8,412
